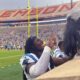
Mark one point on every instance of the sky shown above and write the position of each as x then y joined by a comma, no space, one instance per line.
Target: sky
22,4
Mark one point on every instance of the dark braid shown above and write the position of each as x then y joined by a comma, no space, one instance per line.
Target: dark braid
72,37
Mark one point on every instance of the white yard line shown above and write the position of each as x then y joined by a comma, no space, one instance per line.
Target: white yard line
10,56
2,67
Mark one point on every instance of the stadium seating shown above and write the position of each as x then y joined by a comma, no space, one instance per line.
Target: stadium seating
16,35
45,12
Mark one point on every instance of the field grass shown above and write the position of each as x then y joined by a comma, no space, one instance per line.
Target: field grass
9,65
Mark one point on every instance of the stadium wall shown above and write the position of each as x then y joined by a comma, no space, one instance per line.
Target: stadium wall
46,13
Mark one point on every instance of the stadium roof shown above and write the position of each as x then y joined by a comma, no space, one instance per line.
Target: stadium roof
45,12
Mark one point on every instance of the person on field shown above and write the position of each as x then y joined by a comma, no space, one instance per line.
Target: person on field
37,58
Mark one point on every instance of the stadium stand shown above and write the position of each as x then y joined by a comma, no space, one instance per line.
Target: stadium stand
16,36
46,12
13,24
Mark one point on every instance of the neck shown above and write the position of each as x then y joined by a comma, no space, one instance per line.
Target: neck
38,54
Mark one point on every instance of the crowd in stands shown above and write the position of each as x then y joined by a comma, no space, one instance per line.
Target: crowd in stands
15,37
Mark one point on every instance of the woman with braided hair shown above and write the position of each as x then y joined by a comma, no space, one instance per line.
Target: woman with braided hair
38,59
72,34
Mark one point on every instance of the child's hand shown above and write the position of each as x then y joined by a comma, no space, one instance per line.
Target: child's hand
51,41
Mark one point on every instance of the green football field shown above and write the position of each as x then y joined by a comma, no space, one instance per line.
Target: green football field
9,65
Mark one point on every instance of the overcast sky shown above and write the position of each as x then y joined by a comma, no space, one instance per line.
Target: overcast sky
22,4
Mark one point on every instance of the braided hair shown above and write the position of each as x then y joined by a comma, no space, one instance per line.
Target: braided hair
72,34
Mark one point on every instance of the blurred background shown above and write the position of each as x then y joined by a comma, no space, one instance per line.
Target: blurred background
20,19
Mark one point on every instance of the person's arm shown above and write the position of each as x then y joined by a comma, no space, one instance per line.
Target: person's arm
42,65
59,61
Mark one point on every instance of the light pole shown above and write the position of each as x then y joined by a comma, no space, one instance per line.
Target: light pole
29,25
71,4
37,25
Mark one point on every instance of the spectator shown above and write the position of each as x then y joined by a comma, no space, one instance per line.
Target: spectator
37,59
72,34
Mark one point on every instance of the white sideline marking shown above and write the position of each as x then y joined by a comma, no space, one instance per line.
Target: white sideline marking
7,66
10,56
2,67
